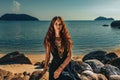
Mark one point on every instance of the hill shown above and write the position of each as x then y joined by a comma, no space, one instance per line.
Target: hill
103,18
18,17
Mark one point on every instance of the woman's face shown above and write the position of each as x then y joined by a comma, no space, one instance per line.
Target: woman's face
58,25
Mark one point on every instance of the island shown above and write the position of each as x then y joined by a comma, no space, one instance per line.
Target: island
17,17
103,18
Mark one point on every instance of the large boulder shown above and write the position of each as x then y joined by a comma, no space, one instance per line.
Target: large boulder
109,57
95,65
116,62
109,70
115,24
14,58
99,55
82,66
88,75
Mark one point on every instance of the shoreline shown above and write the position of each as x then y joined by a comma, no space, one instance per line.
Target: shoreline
38,57
80,51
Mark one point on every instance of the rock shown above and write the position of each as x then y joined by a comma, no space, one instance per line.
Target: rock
88,75
36,75
116,62
109,70
8,77
19,75
95,65
95,55
115,24
109,57
105,25
114,77
40,64
4,74
82,66
17,78
25,73
14,58
26,77
101,77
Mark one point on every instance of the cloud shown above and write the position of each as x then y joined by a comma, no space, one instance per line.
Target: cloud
16,6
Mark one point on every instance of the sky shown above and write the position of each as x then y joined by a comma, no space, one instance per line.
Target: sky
68,9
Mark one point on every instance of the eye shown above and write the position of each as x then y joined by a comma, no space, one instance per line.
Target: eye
60,24
56,24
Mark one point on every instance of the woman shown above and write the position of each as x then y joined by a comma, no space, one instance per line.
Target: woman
58,42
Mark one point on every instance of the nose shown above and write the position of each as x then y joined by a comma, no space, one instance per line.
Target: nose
58,26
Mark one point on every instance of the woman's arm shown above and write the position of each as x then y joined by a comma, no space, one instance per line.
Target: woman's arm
47,58
67,60
63,65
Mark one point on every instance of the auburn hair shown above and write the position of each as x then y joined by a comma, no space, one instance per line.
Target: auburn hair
64,34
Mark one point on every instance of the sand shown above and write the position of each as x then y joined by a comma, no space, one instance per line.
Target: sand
20,68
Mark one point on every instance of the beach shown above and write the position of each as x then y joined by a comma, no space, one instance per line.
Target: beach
29,68
20,68
34,58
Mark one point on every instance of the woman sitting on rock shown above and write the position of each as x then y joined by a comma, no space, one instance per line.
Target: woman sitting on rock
58,43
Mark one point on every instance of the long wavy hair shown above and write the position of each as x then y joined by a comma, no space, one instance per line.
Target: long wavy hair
64,34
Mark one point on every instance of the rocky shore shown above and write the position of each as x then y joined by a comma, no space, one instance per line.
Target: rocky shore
96,65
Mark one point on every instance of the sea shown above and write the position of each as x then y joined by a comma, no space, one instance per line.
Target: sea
87,36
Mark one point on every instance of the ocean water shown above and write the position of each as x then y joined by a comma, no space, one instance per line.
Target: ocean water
28,36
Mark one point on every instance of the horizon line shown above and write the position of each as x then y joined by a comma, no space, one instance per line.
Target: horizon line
64,19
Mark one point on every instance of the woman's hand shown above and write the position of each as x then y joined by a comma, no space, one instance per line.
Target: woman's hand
57,73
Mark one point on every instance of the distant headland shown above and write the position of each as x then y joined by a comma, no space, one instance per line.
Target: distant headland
103,18
17,17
